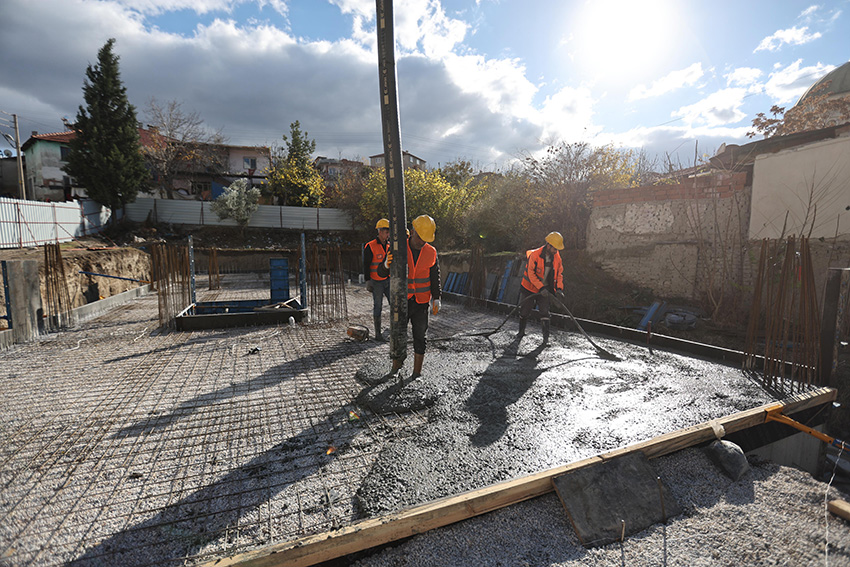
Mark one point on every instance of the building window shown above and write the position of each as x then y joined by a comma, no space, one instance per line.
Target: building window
198,187
64,151
249,163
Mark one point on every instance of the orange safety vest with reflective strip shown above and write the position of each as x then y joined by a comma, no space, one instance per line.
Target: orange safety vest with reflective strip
419,273
379,252
532,280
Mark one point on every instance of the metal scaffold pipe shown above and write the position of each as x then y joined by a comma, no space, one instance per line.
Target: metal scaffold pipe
391,129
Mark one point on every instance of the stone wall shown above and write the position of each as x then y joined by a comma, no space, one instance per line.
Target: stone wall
674,239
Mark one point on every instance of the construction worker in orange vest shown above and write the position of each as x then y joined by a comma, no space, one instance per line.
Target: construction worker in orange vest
544,275
374,254
423,286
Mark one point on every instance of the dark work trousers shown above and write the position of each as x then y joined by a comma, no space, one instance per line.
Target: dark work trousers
380,289
525,307
417,314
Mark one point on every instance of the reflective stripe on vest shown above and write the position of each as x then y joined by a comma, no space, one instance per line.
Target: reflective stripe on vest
378,255
419,273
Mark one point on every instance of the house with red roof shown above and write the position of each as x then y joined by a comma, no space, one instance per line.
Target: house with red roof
45,156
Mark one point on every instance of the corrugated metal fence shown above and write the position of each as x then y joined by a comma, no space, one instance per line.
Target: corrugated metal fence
33,223
266,216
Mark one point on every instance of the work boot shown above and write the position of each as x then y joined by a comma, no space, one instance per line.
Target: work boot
521,327
378,336
545,323
397,364
418,359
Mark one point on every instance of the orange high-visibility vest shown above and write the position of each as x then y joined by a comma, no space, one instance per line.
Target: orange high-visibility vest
419,273
532,280
379,252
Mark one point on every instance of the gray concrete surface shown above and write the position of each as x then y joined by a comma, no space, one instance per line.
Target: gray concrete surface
123,444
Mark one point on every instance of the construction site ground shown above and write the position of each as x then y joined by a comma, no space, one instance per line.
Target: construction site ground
125,444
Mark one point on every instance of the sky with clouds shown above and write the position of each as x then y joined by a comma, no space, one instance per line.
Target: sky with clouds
481,80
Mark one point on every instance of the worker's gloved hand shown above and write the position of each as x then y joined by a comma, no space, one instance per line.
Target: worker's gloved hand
559,294
544,292
435,306
370,285
388,260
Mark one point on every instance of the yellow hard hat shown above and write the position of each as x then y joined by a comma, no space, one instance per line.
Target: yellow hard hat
555,239
383,223
425,227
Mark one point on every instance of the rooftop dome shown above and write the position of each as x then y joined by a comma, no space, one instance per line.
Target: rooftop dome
839,83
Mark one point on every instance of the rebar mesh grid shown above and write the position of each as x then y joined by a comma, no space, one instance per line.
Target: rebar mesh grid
125,444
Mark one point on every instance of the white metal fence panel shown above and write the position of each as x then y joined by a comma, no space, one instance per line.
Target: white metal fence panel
95,216
33,223
267,216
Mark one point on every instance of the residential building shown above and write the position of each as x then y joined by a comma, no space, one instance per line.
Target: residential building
45,156
223,164
408,161
331,169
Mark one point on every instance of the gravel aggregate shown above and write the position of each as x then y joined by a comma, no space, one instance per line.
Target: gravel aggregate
773,515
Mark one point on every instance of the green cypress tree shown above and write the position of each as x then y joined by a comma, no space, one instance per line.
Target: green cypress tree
105,155
291,174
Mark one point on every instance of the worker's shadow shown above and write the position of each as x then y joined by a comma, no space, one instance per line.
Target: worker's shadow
271,377
502,384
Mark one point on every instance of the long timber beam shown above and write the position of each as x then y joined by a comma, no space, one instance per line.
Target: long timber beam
412,521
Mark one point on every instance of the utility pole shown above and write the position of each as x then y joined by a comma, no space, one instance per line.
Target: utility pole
20,159
391,128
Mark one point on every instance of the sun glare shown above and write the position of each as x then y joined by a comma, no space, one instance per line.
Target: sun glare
624,40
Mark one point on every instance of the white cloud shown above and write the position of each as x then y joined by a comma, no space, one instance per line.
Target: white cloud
568,115
791,36
809,11
672,81
153,7
743,77
787,84
500,82
717,109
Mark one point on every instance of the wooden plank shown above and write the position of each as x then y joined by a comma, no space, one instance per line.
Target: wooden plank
840,508
405,523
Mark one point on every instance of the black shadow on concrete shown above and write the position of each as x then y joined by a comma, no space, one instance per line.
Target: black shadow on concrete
502,384
215,511
271,377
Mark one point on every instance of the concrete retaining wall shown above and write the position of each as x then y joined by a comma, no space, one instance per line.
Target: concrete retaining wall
672,239
25,301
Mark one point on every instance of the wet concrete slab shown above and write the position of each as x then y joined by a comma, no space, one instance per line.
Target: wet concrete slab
503,407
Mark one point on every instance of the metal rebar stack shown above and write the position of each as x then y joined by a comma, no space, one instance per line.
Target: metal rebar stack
326,285
214,276
785,310
172,278
56,287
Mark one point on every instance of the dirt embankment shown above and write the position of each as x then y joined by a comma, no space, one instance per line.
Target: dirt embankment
96,257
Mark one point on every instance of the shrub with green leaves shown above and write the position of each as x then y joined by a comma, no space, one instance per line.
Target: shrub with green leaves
238,202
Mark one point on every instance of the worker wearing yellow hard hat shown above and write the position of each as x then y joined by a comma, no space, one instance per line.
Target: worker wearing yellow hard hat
374,254
544,276
423,285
